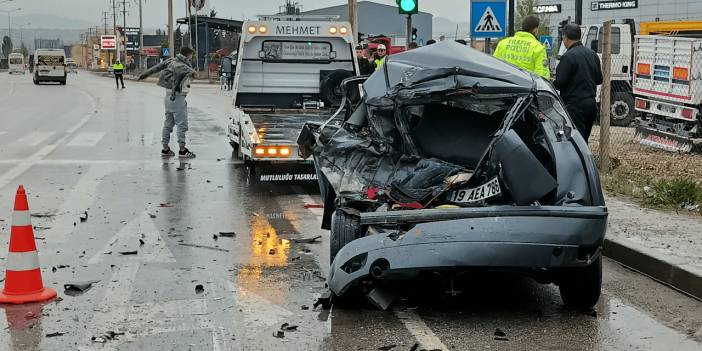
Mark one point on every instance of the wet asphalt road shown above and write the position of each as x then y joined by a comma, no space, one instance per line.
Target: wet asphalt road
88,147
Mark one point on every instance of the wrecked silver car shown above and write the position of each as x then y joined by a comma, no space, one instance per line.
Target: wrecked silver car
451,160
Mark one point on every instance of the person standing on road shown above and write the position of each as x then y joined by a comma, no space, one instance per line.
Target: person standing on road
524,50
380,56
577,76
175,77
118,69
364,66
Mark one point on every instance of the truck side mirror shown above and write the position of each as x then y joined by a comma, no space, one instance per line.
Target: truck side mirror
261,54
332,55
594,45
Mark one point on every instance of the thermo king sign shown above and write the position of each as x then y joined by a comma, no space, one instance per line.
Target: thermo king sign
613,5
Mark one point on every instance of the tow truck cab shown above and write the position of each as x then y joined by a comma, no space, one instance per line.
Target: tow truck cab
288,72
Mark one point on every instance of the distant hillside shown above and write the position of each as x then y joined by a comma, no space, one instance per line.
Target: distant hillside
447,27
45,22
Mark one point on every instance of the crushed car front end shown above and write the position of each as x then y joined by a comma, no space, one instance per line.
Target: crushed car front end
455,160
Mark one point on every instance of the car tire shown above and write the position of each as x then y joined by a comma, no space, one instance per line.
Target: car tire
622,110
345,228
36,82
63,82
330,87
580,287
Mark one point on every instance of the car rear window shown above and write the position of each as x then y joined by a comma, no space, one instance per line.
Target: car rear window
15,61
50,60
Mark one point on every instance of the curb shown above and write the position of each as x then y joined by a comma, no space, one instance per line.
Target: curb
670,271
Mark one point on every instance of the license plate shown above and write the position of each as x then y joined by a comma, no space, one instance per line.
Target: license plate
485,191
666,108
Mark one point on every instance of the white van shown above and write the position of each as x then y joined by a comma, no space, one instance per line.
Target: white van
16,62
50,66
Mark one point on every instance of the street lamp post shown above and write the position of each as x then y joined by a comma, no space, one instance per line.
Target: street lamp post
21,26
9,20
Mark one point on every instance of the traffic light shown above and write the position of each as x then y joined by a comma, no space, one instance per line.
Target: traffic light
414,34
408,7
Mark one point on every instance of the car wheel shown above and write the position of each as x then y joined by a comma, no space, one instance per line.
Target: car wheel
36,82
345,228
580,287
63,82
622,110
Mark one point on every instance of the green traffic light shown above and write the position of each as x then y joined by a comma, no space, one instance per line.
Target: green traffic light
408,5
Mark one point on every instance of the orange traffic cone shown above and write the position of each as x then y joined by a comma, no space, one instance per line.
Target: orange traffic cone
22,274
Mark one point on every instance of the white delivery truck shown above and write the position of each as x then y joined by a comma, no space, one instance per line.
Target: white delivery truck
16,63
50,66
668,90
622,111
288,71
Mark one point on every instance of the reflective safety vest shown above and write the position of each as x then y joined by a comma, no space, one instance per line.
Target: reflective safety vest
525,51
118,68
379,62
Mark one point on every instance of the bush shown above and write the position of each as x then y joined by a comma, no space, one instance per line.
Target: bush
673,192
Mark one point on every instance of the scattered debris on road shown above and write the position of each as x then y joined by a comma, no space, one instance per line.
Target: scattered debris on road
204,247
414,347
307,240
84,216
308,206
75,289
387,347
304,307
199,289
215,237
500,335
166,204
287,327
51,335
128,252
279,334
227,234
324,300
141,242
381,297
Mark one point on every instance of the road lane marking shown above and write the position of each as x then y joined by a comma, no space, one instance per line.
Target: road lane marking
78,200
111,312
142,227
87,139
33,138
421,332
27,163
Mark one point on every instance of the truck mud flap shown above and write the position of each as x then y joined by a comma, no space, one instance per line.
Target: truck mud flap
666,141
284,173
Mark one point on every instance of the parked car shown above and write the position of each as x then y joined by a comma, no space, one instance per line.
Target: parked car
453,160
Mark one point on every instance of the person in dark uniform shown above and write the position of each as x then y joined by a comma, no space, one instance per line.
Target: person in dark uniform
577,76
364,65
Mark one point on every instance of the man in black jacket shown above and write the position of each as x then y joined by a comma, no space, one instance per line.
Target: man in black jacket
577,76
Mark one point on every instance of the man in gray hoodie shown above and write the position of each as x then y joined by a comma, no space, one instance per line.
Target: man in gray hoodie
175,76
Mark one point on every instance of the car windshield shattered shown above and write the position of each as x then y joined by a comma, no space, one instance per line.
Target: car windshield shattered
445,133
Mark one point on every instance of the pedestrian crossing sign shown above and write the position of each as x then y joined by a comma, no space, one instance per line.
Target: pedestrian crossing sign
488,18
547,40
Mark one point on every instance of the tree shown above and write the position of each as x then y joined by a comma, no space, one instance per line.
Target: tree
6,46
159,32
24,50
526,8
213,13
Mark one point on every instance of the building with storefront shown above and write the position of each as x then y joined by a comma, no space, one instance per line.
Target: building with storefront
377,19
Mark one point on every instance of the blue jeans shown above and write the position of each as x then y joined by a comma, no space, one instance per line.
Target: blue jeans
176,115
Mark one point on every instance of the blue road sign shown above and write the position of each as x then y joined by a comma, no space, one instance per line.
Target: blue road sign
547,40
166,52
488,19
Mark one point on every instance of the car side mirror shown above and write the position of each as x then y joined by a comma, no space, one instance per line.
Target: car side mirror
594,45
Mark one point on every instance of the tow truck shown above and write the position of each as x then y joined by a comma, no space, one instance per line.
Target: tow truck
288,72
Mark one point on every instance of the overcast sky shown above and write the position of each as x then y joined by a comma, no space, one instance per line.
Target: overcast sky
155,11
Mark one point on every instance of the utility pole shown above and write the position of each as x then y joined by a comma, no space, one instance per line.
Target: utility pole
170,28
124,27
142,61
409,31
353,18
104,19
114,29
578,12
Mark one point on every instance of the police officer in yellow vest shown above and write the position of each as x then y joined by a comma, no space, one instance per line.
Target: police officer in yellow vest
524,50
118,69
380,56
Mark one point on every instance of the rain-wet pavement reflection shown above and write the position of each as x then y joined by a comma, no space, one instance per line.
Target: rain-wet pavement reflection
188,288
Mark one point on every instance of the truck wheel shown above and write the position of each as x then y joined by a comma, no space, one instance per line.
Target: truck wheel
580,287
345,228
622,110
330,87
